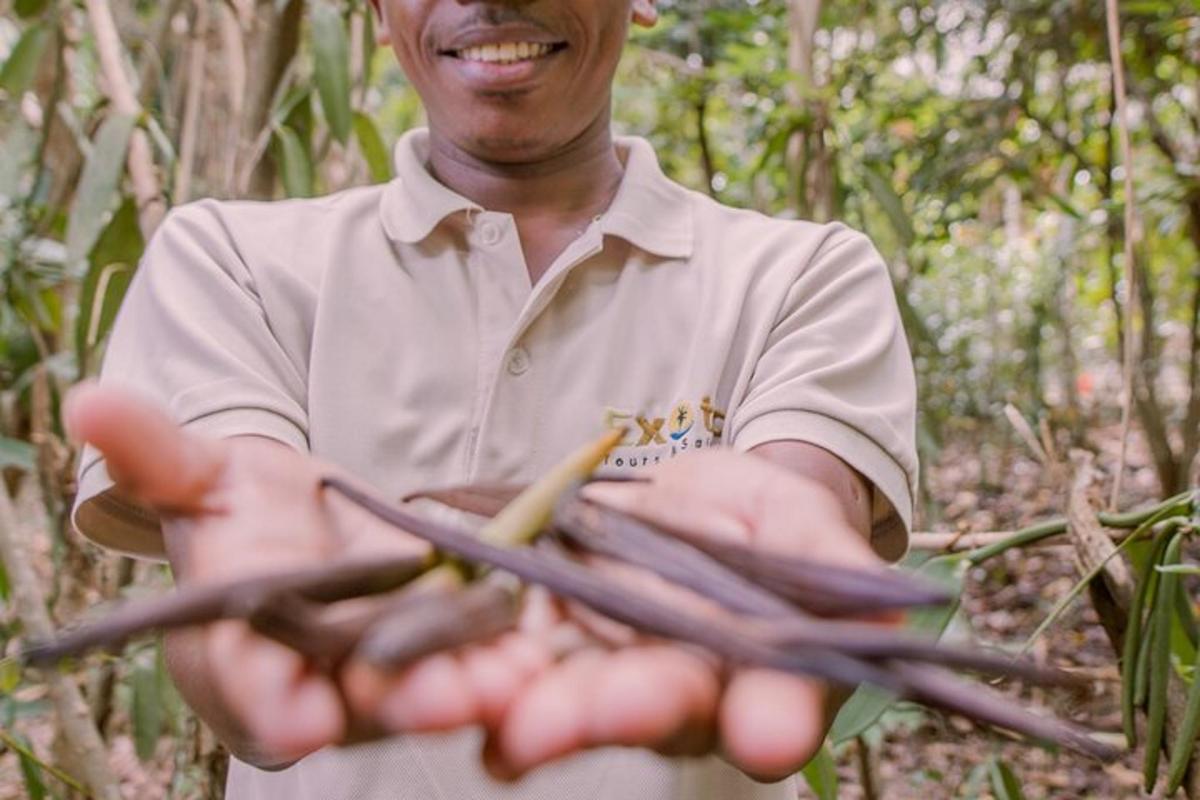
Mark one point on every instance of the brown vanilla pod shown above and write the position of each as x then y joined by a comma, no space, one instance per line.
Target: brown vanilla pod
550,567
824,589
489,499
606,532
441,621
297,623
730,638
197,605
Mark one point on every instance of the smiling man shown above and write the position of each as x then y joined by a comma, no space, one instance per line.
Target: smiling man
525,281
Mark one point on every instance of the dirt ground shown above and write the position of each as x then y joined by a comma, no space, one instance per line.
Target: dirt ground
920,755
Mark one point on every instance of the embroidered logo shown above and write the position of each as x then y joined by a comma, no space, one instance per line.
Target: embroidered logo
652,438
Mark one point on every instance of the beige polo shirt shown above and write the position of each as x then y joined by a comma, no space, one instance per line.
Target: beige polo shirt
393,330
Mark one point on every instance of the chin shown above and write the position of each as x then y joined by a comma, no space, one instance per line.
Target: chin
509,144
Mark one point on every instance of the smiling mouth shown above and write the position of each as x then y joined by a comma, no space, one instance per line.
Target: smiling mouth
506,52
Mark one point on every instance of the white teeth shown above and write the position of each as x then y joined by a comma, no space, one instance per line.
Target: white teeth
506,53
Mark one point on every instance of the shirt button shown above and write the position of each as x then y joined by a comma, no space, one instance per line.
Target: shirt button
489,233
518,361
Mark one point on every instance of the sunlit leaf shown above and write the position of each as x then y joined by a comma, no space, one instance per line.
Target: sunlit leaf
373,149
10,675
821,774
111,266
21,66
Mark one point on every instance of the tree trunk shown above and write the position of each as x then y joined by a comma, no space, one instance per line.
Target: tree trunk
809,162
270,45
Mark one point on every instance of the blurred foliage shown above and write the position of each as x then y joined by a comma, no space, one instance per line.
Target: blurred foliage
973,140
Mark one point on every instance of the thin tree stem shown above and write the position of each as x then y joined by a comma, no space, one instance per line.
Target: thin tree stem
1122,120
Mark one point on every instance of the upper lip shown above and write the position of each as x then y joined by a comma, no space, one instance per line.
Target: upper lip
499,34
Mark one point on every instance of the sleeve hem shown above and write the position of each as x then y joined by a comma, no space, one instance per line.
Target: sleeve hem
134,531
890,483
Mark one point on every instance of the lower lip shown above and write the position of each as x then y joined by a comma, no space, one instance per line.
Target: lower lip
497,76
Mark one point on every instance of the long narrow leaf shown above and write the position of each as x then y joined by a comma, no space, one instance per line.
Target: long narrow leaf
98,188
331,51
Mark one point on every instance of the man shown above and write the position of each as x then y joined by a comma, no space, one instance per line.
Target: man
524,281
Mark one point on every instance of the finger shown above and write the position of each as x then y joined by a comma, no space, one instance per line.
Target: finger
146,454
499,672
435,694
548,719
288,710
771,723
658,697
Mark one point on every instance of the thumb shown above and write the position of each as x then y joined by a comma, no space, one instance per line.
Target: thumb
146,454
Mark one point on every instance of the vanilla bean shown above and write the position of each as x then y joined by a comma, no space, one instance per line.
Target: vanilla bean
604,531
296,623
938,688
570,579
725,637
489,499
197,605
440,621
481,499
870,641
825,589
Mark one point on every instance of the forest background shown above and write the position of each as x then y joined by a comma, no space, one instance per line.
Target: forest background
978,142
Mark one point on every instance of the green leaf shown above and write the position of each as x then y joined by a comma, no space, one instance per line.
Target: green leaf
1179,569
10,675
17,454
31,770
98,188
821,774
373,149
111,266
331,51
295,166
868,703
30,8
883,192
147,710
1005,785
21,67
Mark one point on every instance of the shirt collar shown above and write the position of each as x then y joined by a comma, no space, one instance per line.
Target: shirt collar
650,211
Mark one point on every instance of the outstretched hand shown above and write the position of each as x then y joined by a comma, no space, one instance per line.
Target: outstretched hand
246,506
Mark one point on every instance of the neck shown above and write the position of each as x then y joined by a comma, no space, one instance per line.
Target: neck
578,180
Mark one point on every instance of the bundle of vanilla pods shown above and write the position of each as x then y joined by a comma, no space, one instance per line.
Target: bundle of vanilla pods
782,612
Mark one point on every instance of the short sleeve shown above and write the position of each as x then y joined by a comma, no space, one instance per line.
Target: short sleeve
192,336
836,372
